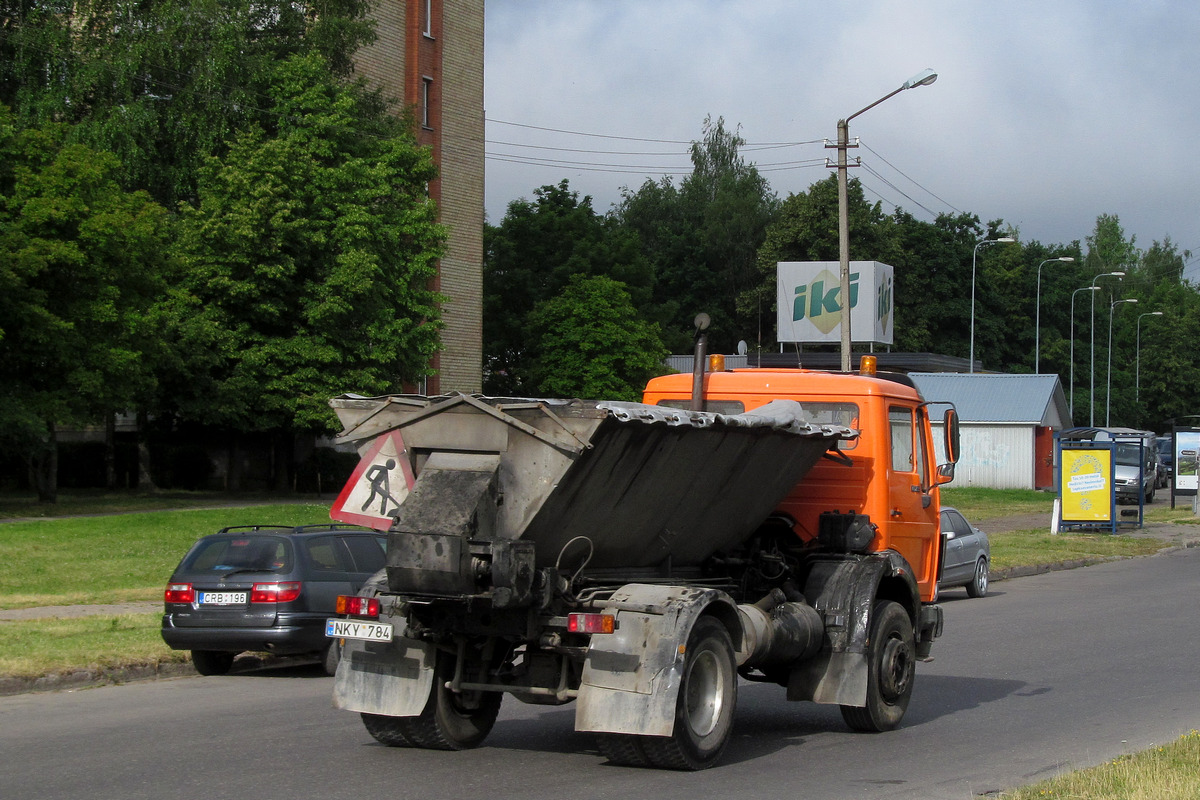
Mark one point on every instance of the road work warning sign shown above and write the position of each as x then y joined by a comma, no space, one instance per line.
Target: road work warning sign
378,485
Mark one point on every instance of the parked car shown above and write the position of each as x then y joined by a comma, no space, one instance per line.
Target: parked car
1135,470
966,554
1166,458
266,588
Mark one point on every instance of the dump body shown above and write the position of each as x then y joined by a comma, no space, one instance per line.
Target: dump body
644,485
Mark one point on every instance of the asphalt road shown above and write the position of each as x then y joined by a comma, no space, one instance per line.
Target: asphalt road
1046,673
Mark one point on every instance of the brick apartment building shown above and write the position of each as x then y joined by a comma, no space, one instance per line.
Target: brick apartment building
429,55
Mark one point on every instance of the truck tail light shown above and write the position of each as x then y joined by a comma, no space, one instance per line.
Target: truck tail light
355,606
283,592
179,593
591,623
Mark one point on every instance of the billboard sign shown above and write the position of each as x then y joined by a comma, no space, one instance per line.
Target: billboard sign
1086,490
810,305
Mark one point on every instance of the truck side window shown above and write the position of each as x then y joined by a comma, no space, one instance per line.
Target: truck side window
900,421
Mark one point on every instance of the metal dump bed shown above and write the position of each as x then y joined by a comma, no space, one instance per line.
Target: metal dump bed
643,485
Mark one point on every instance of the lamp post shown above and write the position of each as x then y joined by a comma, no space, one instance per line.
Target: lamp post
979,244
1137,370
923,78
1037,325
1108,389
1071,404
1092,390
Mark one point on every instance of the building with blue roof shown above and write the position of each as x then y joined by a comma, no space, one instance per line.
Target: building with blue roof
1006,425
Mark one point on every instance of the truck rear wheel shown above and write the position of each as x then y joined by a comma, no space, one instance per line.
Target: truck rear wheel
891,664
704,710
450,721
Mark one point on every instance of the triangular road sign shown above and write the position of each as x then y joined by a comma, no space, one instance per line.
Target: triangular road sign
377,486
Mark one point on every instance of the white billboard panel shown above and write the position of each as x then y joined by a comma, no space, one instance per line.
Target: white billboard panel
810,305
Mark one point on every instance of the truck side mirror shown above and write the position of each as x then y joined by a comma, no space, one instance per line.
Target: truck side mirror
945,472
950,427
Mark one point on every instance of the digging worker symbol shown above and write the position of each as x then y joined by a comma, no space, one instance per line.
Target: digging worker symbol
380,479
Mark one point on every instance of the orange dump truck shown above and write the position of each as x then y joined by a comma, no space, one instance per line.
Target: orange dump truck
638,559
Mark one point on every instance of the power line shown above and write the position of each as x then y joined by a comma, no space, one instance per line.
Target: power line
910,180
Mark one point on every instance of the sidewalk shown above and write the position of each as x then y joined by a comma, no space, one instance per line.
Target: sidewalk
45,612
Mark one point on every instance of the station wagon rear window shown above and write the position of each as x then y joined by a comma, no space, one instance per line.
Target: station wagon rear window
241,553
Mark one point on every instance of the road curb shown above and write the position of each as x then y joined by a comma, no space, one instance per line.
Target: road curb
97,676
130,673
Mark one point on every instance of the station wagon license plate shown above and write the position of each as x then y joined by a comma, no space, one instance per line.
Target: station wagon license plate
358,629
222,598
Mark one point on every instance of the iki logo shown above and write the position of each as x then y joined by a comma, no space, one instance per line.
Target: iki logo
819,301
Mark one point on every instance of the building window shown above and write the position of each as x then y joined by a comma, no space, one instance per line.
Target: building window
426,101
427,18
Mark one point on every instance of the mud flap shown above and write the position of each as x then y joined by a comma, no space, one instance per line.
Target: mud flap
393,678
631,677
844,591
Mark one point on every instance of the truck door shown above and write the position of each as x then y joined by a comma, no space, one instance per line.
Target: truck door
912,518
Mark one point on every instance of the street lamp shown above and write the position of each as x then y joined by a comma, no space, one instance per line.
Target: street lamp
923,78
1071,404
1108,389
1137,370
1037,325
979,244
1092,390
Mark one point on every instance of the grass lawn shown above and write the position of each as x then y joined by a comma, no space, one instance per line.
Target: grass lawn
32,648
984,504
118,558
1167,772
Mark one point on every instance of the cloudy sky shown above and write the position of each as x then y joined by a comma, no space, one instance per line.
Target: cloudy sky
1045,113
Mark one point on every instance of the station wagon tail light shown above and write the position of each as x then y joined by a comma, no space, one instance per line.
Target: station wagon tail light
355,606
179,593
591,623
283,592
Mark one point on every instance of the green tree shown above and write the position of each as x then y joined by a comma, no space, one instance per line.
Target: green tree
81,264
164,85
309,259
539,246
589,343
703,239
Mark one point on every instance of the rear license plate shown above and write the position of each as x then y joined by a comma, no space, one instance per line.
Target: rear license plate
358,629
222,598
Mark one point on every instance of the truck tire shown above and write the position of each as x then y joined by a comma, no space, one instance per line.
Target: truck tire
212,662
449,721
623,749
891,663
707,698
387,730
979,583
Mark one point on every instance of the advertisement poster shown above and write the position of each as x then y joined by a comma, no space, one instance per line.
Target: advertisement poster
1087,488
1187,445
810,307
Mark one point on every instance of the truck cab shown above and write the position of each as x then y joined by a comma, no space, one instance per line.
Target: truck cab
888,474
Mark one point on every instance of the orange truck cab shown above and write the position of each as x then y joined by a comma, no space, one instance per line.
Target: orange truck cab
888,474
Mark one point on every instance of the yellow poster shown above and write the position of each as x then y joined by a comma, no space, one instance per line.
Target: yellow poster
1086,491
